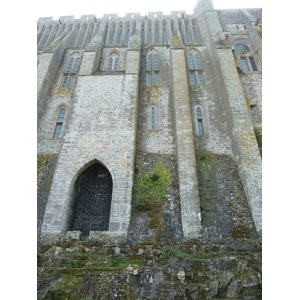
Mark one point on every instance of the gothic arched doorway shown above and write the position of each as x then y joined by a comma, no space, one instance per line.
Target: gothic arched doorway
92,200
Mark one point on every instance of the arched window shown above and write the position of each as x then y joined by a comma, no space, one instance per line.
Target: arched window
71,73
120,36
247,58
113,63
59,123
156,34
152,68
241,47
116,64
199,121
187,36
196,73
191,63
70,65
76,65
164,35
195,34
149,35
110,63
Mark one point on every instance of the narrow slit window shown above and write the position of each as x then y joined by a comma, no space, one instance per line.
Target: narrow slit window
143,35
148,79
191,62
187,37
116,64
70,65
149,62
112,37
156,79
153,118
156,35
149,35
199,121
61,115
252,62
127,36
57,130
64,82
120,36
59,124
110,63
197,61
105,36
200,78
72,80
76,65
193,79
244,64
155,62
195,34
164,35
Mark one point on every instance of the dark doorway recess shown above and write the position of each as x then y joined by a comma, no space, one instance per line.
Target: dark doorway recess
92,200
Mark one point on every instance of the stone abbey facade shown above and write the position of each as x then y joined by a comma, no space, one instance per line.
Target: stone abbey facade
116,95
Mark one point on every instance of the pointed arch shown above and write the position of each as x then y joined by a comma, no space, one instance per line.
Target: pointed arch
196,32
91,201
60,117
113,62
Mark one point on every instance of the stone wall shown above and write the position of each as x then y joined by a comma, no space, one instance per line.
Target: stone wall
46,164
106,105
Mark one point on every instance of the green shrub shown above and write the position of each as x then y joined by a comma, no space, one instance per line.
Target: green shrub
153,187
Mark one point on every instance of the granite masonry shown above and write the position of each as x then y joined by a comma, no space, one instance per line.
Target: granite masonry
122,101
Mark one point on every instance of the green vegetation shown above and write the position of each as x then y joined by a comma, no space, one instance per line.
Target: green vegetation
168,253
202,255
176,42
118,261
258,135
153,188
76,264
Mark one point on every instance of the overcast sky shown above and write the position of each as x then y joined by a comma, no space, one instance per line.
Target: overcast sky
57,8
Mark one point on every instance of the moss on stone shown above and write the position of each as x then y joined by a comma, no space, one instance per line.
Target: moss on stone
63,91
54,44
176,42
258,135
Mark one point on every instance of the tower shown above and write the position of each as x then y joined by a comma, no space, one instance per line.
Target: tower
203,6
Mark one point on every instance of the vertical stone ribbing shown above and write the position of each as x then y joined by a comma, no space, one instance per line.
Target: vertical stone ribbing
188,183
244,145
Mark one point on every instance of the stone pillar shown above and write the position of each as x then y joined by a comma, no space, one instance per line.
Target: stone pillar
188,183
244,144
